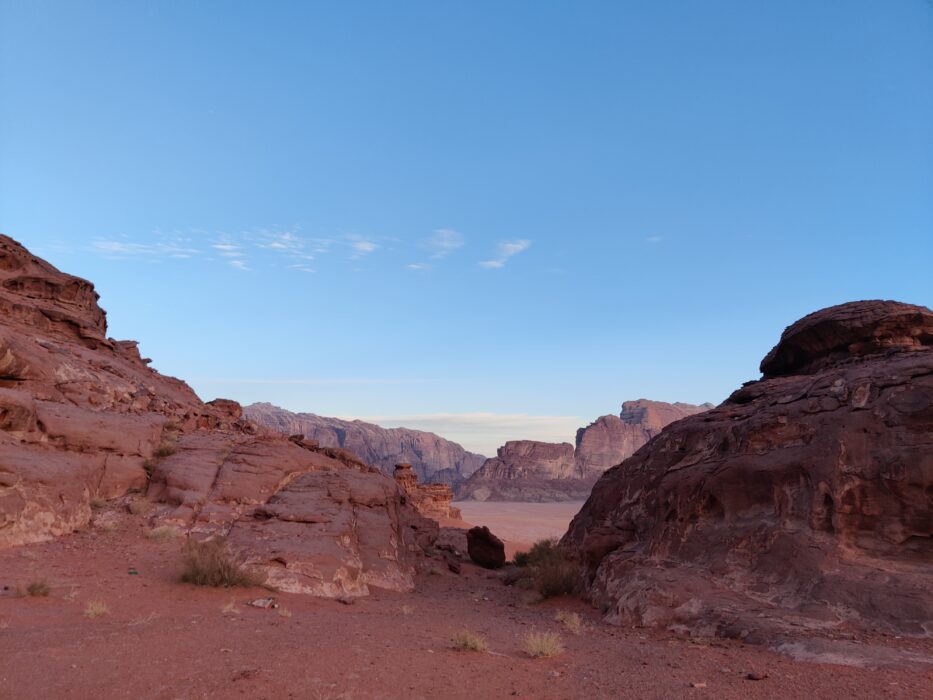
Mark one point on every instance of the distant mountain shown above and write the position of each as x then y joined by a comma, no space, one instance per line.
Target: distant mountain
433,458
527,470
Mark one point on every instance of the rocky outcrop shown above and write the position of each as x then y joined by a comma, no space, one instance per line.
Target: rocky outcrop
804,501
485,548
526,470
83,417
433,458
430,500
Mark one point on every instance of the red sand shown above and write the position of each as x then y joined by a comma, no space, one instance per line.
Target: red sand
163,639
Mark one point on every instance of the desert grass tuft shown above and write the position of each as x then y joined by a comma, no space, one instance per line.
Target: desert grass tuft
469,641
96,608
283,612
543,645
166,449
570,620
211,563
38,589
97,503
163,532
407,610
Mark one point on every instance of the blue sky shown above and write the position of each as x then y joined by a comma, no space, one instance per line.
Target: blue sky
490,219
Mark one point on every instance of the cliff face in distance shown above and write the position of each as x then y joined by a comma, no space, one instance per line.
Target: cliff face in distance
527,470
433,458
803,502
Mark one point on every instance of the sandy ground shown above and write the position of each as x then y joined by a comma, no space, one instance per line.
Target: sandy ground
163,639
521,522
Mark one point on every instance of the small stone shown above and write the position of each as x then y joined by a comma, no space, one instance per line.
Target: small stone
751,676
698,684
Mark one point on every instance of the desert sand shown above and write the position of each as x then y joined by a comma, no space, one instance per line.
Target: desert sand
162,639
521,523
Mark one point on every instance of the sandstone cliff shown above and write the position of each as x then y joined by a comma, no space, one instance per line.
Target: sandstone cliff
803,501
433,458
83,417
526,470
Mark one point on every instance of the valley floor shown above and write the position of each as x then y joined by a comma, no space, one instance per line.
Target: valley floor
162,639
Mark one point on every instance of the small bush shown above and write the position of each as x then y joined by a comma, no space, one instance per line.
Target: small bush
163,532
284,612
38,589
469,641
96,608
210,563
139,506
543,644
407,610
570,620
166,449
98,504
548,570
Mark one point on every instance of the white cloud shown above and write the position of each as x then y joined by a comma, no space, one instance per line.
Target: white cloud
485,432
164,248
444,241
504,251
238,265
364,247
418,266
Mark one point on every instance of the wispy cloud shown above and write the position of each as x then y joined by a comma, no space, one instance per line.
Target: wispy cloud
443,242
419,266
239,265
360,245
164,247
654,239
504,251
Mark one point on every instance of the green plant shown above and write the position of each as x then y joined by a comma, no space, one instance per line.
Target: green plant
549,570
211,563
38,589
469,641
543,644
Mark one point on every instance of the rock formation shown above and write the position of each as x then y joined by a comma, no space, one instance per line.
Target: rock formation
433,458
83,417
431,500
525,470
804,501
485,548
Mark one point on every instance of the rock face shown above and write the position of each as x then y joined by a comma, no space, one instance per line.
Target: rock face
431,500
805,500
526,470
485,548
433,458
83,417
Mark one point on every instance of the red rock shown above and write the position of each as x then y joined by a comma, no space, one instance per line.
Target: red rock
430,500
526,470
802,500
433,458
485,548
83,417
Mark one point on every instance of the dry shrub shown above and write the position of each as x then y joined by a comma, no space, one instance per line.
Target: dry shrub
163,532
38,589
570,620
543,644
96,608
211,563
469,641
549,570
166,449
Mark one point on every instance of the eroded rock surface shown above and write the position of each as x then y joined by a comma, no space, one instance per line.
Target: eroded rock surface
83,417
805,500
430,500
433,458
526,470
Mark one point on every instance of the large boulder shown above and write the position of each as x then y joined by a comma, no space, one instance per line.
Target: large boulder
485,548
803,501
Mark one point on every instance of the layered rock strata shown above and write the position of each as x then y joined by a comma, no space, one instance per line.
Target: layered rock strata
804,501
83,418
433,458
